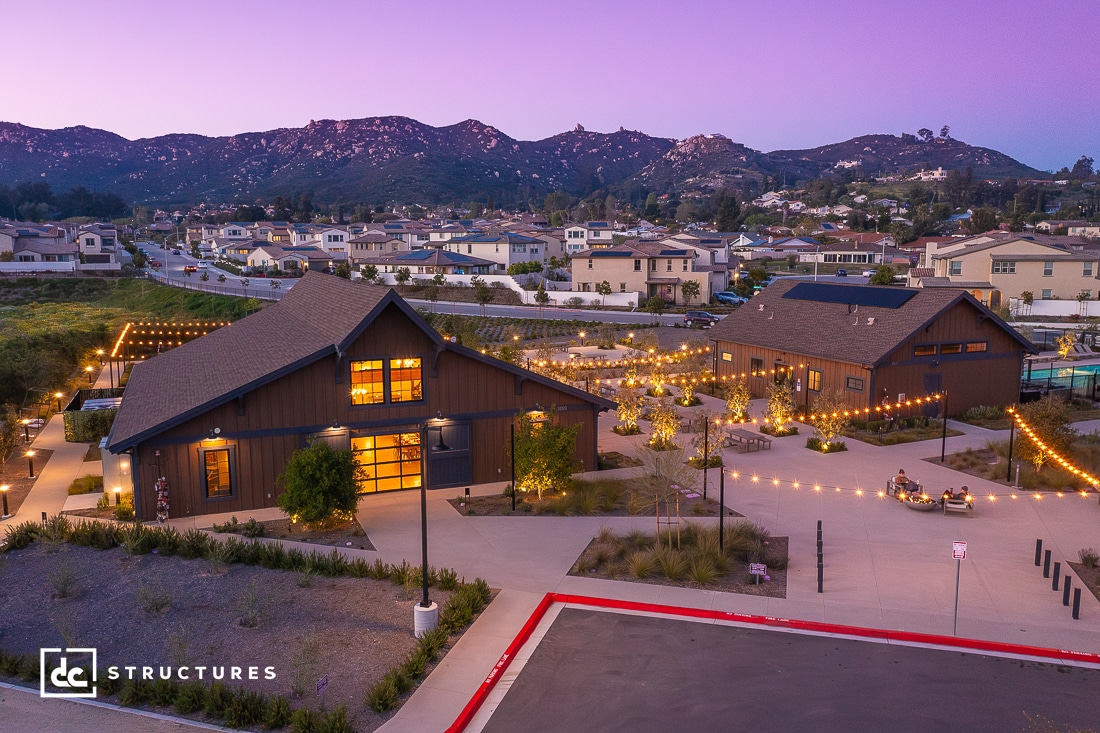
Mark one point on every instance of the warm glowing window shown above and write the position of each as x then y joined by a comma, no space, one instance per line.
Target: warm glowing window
218,483
975,346
405,380
813,380
951,349
367,383
388,462
925,350
756,367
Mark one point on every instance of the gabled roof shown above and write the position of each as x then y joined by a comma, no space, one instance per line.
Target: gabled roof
303,327
825,325
199,375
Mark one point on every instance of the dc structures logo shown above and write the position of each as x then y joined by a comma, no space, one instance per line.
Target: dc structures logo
72,671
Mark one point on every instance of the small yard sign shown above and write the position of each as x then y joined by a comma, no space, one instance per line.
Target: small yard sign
958,550
756,568
321,685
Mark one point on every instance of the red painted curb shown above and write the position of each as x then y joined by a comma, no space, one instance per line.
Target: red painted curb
491,680
908,637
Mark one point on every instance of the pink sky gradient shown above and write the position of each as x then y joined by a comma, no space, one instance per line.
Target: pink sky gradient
1021,77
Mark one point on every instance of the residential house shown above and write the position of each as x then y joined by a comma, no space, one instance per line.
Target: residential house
504,249
872,345
650,268
994,268
373,244
1073,227
268,256
98,243
346,363
431,261
18,236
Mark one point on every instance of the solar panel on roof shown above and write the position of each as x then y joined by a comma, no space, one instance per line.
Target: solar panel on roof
672,252
866,295
420,254
609,253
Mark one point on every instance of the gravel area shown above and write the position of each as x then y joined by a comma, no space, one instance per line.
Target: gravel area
352,630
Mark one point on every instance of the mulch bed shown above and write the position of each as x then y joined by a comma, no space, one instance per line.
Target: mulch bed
14,474
353,630
897,437
737,580
342,534
1089,576
613,459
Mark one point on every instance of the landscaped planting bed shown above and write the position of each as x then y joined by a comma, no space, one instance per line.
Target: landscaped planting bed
155,597
688,556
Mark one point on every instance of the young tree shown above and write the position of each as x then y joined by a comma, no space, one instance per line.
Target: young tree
707,445
737,400
343,270
781,406
665,423
629,403
320,484
542,297
830,418
221,278
544,452
656,305
432,292
483,294
1049,420
204,277
1027,298
603,289
1065,344
402,276
370,274
10,434
690,290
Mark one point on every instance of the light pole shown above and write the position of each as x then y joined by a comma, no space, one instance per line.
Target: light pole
58,396
582,335
722,511
88,370
706,454
30,463
26,430
512,438
99,353
943,439
4,493
426,613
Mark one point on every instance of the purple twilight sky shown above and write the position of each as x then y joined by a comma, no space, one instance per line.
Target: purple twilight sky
1020,76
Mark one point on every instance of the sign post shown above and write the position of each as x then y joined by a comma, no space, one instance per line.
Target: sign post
757,569
958,552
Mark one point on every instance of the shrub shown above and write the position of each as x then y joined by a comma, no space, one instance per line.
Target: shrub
320,484
190,698
1089,557
335,722
640,563
56,528
278,713
228,526
18,536
11,664
247,708
195,543
670,563
218,699
62,579
250,604
253,529
701,569
815,443
154,598
86,485
124,512
448,579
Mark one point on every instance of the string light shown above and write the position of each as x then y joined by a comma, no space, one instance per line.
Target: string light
859,491
1054,456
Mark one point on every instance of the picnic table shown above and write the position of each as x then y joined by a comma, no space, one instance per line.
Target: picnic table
747,441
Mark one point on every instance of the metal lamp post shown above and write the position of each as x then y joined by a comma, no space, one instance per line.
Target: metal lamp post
88,370
58,396
4,493
30,463
706,454
26,430
426,613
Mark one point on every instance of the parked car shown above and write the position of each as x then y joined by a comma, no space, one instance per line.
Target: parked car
704,319
725,297
842,272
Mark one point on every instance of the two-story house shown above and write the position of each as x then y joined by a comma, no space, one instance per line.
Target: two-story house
503,248
653,269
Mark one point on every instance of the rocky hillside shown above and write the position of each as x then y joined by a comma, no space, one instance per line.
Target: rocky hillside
386,159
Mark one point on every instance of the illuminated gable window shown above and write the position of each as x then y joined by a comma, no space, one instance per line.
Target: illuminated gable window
218,482
367,383
406,383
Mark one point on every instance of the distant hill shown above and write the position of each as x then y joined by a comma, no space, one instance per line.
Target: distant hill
387,159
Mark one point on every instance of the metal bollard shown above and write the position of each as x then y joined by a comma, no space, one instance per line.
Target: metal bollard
1076,603
1065,592
1057,575
1038,552
820,576
1046,563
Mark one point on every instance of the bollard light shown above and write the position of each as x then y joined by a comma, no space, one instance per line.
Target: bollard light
89,371
118,495
30,463
58,395
4,493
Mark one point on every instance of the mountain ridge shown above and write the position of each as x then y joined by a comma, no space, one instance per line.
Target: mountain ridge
395,158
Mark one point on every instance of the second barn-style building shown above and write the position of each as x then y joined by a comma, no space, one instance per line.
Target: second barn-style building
873,344
343,362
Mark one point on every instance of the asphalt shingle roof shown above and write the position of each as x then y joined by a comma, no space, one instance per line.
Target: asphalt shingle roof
837,331
315,316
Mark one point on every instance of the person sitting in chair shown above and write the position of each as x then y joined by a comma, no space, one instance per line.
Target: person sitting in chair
949,494
901,481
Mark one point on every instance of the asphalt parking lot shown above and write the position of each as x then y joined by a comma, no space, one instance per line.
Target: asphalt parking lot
598,671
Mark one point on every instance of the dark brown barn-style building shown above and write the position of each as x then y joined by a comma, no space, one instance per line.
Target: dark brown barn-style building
872,344
348,363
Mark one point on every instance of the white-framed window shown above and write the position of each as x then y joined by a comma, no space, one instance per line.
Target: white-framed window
668,265
956,267
1046,294
637,265
1087,271
685,265
1004,268
590,264
622,287
1048,269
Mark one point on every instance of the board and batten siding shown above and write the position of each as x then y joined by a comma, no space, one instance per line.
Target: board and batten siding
266,425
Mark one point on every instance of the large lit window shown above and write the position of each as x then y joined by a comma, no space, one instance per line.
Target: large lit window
925,350
367,383
218,482
756,367
405,380
389,462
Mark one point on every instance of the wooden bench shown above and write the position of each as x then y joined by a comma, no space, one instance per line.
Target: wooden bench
744,440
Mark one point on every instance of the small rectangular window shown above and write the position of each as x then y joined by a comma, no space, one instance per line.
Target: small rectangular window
1088,270
956,267
854,383
637,265
590,264
622,287
367,386
1048,269
1046,294
951,349
813,380
976,346
218,482
685,265
727,356
756,367
924,350
668,266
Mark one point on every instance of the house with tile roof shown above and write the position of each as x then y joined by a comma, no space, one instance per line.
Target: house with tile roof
502,248
350,364
872,344
431,261
651,269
